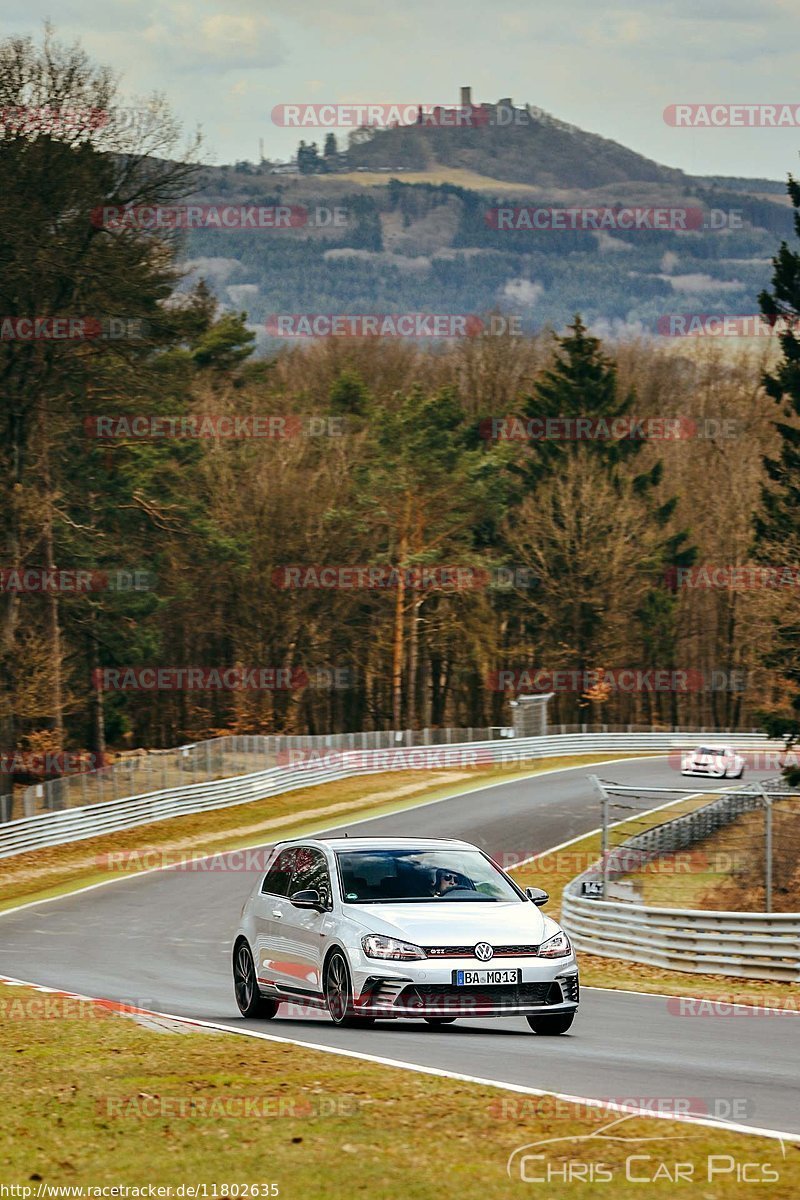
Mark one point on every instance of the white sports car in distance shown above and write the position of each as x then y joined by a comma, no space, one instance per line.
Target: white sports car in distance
430,929
718,762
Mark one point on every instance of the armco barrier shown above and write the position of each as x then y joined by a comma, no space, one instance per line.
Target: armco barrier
749,945
76,824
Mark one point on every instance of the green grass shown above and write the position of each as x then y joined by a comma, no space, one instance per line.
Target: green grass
95,1099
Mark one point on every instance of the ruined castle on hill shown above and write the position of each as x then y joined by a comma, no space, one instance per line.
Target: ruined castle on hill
502,114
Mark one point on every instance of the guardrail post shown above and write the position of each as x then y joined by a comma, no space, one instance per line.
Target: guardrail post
767,848
603,794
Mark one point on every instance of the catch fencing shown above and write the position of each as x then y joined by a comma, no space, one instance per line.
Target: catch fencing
243,754
700,941
99,816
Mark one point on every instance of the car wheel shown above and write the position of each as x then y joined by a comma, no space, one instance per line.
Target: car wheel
439,1020
552,1024
245,985
339,994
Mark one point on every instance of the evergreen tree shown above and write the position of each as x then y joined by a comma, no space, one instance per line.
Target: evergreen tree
330,151
582,383
308,159
778,524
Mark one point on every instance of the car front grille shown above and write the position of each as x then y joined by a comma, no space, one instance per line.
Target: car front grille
469,951
446,999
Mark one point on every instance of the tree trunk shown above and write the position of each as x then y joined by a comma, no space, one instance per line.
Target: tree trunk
398,638
98,703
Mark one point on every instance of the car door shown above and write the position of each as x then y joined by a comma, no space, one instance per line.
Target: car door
306,928
269,915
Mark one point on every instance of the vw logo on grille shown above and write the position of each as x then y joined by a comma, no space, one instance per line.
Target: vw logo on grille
483,951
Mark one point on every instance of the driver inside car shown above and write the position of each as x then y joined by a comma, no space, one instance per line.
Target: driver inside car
445,882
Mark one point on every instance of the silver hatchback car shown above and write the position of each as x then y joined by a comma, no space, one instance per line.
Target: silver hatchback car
400,927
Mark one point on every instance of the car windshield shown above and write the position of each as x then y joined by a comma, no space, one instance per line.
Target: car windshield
713,751
400,876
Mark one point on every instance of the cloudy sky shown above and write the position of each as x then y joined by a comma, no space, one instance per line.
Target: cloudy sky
224,64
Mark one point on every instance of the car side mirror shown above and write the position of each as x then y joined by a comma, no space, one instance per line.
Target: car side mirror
537,896
309,898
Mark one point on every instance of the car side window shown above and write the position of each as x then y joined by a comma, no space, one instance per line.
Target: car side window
311,871
280,874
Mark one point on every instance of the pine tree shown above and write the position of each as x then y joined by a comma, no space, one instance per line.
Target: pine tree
582,383
330,151
778,523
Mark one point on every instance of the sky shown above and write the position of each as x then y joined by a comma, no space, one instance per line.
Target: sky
612,70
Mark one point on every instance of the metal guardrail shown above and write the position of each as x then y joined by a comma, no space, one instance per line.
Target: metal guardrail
747,945
90,820
699,941
243,754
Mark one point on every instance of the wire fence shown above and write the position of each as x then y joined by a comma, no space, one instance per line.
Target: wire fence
604,914
749,838
215,758
242,754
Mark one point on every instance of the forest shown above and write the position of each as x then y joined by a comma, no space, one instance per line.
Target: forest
360,533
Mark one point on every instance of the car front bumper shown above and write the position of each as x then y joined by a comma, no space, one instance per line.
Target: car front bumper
422,988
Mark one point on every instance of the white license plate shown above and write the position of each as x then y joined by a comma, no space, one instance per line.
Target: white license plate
482,978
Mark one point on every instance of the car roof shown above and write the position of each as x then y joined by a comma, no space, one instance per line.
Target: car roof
385,843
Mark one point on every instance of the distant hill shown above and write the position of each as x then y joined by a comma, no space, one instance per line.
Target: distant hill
522,145
417,235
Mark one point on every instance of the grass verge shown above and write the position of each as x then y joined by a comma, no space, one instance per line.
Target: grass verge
106,1101
728,868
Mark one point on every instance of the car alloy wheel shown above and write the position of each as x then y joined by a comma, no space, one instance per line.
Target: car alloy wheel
339,993
245,985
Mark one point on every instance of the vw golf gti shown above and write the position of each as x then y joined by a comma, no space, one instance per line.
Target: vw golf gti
372,928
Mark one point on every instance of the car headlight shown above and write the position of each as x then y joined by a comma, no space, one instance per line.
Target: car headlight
377,946
555,947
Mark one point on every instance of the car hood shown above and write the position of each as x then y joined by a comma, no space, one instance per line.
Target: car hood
453,922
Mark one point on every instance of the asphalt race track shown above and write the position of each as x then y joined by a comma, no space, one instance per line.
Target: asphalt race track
162,941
